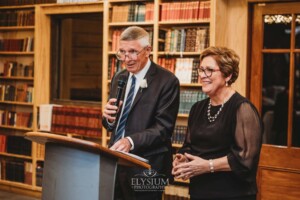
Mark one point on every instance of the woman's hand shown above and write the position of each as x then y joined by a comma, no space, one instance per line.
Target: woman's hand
179,158
194,167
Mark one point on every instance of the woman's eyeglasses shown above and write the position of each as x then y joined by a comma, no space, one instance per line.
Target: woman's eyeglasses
207,71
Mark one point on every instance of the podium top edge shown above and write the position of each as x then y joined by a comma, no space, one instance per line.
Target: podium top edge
123,159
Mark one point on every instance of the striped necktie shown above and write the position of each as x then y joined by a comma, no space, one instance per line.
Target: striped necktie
123,119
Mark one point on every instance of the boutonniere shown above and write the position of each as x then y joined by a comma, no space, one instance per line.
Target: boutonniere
143,84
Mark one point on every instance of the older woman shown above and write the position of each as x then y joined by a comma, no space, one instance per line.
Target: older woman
221,151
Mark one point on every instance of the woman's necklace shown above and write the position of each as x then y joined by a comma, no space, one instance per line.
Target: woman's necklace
213,118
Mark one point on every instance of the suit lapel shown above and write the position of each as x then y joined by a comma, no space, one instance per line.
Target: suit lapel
149,77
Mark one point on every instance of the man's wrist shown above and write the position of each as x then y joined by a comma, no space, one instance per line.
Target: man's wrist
131,142
111,124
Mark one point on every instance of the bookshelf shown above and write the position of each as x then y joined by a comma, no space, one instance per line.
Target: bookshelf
40,31
160,26
17,56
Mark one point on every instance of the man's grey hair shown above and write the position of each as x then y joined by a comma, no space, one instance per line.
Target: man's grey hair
136,33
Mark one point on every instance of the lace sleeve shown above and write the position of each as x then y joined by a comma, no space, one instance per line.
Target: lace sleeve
244,156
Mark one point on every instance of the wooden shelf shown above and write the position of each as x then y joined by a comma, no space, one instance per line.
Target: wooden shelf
17,7
17,103
15,156
188,23
38,188
182,181
114,53
40,159
126,24
127,1
111,52
176,145
16,53
16,28
15,128
21,188
165,53
72,135
16,184
190,85
183,115
16,78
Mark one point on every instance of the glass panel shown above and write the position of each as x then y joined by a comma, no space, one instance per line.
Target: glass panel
296,109
277,31
275,97
76,57
297,32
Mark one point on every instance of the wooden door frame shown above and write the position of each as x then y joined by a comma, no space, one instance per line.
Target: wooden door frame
276,162
257,72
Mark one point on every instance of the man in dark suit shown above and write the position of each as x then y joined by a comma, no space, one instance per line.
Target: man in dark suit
144,121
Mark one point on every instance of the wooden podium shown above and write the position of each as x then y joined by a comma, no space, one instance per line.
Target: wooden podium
76,169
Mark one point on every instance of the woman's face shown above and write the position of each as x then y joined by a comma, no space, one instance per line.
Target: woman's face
211,77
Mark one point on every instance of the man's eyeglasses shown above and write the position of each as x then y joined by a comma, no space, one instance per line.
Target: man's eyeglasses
131,54
207,71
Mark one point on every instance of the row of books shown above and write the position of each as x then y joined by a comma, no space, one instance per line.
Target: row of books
114,66
22,45
68,119
184,68
116,38
17,18
16,119
21,92
179,134
193,10
16,145
24,2
16,170
173,39
176,192
188,98
2,143
185,40
133,12
75,1
39,173
15,69
40,151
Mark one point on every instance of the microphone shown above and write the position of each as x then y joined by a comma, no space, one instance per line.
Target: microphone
121,84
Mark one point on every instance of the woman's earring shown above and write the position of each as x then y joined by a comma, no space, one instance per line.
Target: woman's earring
226,83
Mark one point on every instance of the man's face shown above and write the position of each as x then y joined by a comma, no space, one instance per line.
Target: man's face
134,56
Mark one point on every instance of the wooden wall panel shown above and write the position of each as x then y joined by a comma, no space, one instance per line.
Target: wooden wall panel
87,67
275,185
228,16
287,158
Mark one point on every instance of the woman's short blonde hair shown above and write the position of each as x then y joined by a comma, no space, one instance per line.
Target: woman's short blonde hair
227,60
